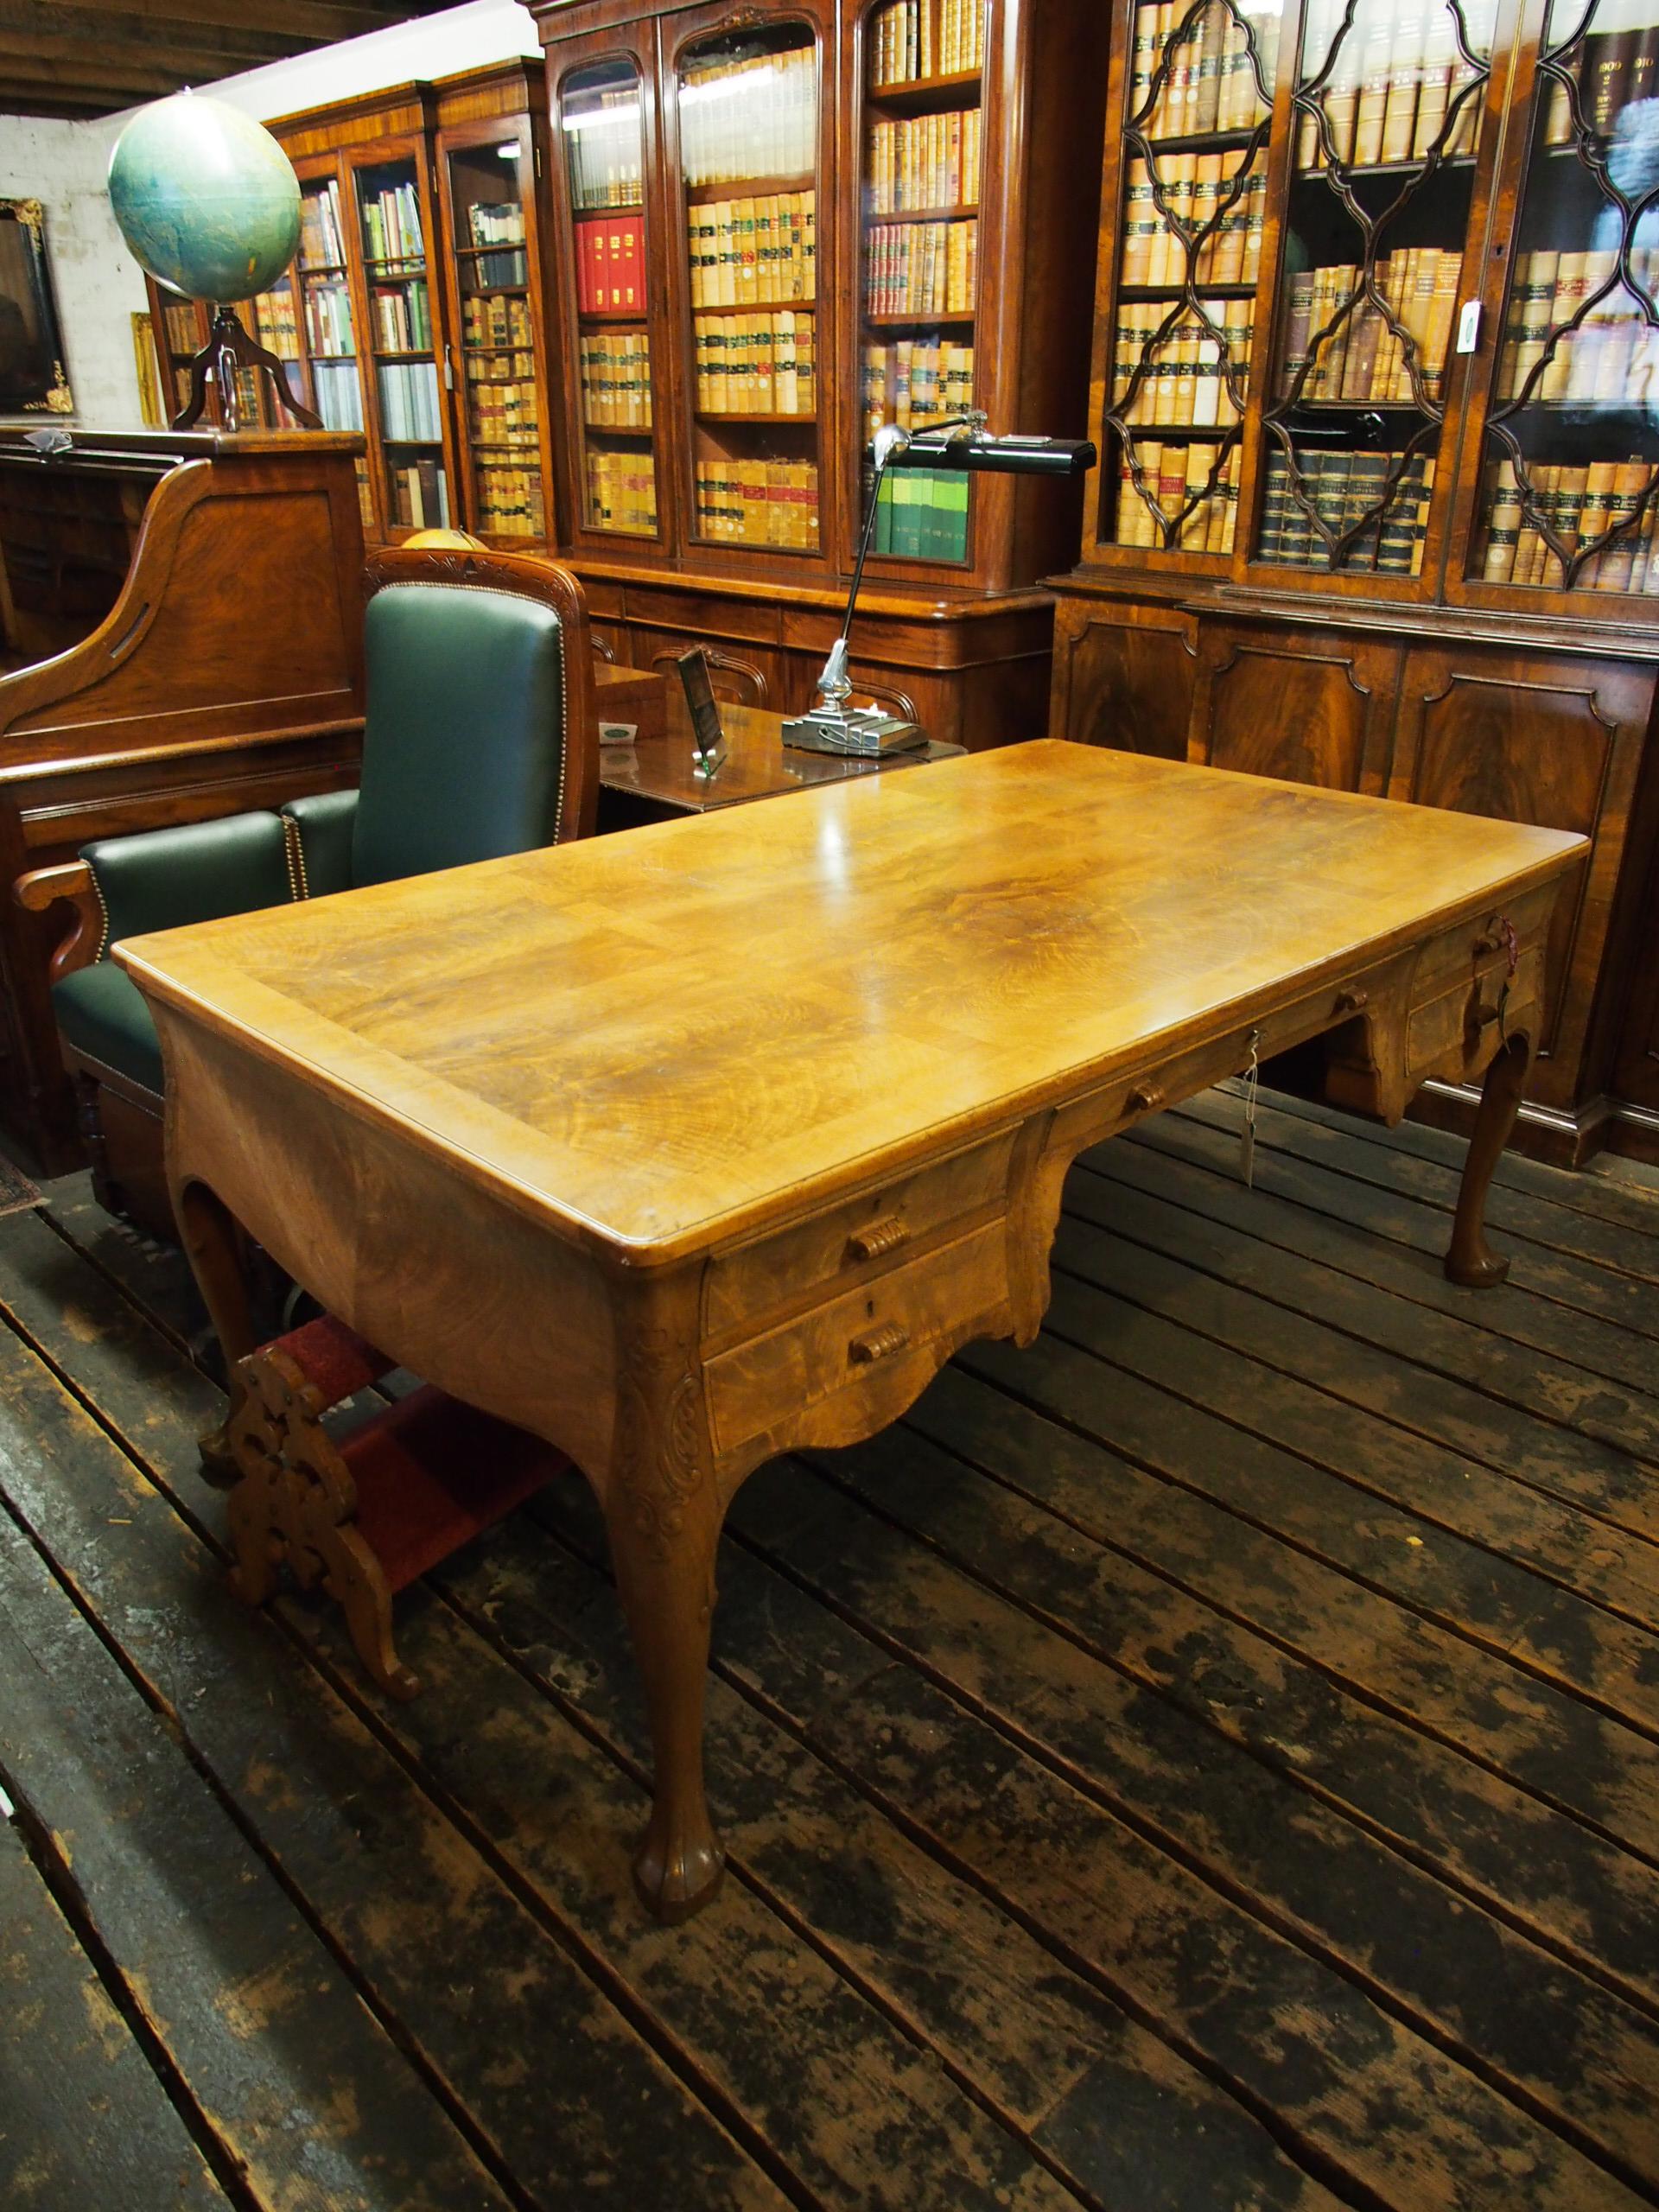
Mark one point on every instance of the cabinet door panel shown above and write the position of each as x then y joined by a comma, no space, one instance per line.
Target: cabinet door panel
1125,678
1314,707
1557,742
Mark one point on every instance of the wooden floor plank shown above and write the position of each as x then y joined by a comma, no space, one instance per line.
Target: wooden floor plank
1580,1471
881,2106
83,2119
1561,2045
1291,1206
300,2085
1369,1196
1150,1201
1478,1701
1095,2092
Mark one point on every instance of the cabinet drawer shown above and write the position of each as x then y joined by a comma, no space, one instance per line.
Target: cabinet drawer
856,1337
854,1240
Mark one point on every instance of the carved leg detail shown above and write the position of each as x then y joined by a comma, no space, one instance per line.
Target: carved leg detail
1470,1261
214,1247
663,1515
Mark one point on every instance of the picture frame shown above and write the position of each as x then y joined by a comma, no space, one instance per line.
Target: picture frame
32,378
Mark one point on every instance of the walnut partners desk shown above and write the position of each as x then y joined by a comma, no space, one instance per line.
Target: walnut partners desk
687,1147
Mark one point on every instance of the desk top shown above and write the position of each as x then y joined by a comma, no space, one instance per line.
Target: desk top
660,1038
757,764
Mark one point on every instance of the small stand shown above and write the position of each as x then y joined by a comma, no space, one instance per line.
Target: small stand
229,348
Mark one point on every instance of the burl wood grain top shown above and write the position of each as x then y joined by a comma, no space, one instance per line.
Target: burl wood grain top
655,1039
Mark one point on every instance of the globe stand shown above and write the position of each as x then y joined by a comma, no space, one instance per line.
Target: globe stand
229,348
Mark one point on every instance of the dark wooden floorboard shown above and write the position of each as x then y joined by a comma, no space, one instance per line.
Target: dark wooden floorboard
1208,1761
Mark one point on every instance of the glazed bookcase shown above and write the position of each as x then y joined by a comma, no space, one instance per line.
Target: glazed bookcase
1379,482
789,201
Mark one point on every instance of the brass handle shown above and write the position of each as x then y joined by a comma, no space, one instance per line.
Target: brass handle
1352,1001
884,1235
878,1344
1145,1098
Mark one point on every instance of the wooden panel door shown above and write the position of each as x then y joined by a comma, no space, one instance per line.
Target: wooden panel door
1546,739
1124,677
1312,706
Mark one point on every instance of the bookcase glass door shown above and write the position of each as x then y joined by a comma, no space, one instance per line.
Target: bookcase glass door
1385,126
274,318
327,321
409,400
920,197
1192,224
748,137
603,130
1569,482
503,398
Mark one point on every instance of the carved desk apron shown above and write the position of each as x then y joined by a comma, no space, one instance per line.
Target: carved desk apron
690,1146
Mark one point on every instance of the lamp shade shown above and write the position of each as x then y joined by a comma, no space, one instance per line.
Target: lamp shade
205,197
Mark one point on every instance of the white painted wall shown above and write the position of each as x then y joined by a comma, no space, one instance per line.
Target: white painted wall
64,165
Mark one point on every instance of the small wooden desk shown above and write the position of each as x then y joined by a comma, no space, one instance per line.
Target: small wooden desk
685,1149
656,771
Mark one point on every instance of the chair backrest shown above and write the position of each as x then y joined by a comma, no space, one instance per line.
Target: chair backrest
481,737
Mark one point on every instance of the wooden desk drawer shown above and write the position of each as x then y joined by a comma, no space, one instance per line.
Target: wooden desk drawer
849,1342
854,1240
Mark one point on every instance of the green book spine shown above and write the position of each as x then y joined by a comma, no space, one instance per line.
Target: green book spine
955,491
884,516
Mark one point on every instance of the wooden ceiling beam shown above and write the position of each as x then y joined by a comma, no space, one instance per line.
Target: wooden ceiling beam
49,27
64,106
130,81
308,23
117,60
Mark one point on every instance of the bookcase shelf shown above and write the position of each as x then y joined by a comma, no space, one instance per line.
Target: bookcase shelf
916,95
1419,571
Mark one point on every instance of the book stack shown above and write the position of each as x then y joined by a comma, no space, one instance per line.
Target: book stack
922,515
328,321
409,409
913,38
1612,355
510,502
1184,383
420,495
928,161
391,224
916,382
1342,488
1209,84
616,371
759,503
1617,64
755,364
754,118
923,269
622,493
1175,474
1581,504
1397,75
746,253
1201,193
275,324
495,319
321,235
610,256
486,367
179,320
506,410
403,317
340,396
500,223
604,151
1363,359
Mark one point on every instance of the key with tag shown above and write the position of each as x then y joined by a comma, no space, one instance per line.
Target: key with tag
1246,1136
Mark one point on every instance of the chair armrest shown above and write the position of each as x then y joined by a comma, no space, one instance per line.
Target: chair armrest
163,879
322,829
41,889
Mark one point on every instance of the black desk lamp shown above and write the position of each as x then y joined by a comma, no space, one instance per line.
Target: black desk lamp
959,443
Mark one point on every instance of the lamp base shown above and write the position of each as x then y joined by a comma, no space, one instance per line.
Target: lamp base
860,736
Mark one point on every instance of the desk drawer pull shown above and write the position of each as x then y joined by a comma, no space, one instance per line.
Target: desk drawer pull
878,1344
1145,1098
884,1235
1351,1002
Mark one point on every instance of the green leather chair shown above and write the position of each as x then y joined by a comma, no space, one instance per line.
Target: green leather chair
480,738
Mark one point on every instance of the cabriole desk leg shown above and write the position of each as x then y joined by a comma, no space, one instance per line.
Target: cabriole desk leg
1470,1261
214,1246
661,1511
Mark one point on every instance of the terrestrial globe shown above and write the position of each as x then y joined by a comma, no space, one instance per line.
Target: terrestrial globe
205,197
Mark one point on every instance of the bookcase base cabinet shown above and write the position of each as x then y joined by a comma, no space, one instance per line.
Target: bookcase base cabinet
974,672
1517,729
